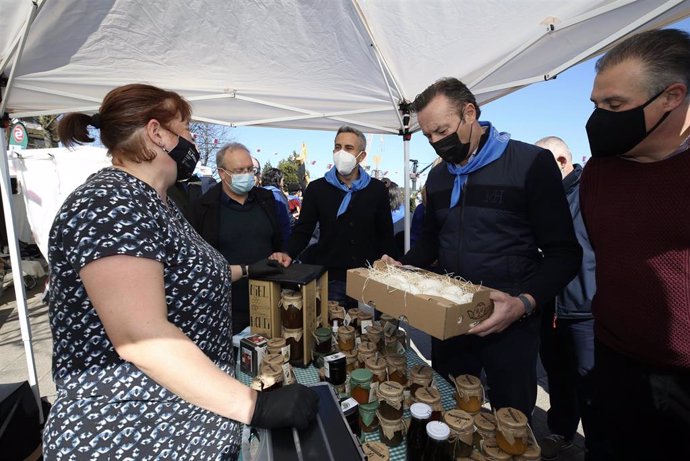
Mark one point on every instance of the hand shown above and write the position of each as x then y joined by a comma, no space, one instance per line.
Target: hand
282,258
263,268
507,309
290,406
390,261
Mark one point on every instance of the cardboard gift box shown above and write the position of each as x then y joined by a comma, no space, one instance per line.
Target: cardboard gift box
265,309
435,315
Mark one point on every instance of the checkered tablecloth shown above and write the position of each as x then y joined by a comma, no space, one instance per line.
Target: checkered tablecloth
310,375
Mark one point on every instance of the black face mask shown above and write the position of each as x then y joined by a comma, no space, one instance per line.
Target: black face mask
615,133
451,149
186,157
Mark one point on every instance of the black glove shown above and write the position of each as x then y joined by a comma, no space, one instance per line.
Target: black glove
263,268
290,406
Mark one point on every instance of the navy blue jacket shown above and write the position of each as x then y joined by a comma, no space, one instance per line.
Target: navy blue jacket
511,230
575,301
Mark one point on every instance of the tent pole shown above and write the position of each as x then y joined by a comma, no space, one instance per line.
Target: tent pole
12,243
404,109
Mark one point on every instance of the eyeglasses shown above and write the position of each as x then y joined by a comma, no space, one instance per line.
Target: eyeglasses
252,170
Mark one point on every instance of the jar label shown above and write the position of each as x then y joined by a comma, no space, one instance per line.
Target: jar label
365,325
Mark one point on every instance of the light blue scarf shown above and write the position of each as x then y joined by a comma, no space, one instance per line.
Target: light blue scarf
490,152
360,183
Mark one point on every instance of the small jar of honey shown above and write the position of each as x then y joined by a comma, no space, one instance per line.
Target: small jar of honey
470,394
346,338
397,368
511,431
432,397
390,396
377,365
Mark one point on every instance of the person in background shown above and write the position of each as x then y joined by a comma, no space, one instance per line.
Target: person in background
567,336
273,179
418,218
396,199
633,194
496,215
353,213
294,200
257,169
140,304
242,221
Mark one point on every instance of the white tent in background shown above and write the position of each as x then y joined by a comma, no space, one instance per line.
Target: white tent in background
299,64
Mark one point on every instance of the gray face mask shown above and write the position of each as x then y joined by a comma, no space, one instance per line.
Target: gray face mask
241,183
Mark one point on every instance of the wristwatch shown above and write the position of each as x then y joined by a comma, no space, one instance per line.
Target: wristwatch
245,270
529,308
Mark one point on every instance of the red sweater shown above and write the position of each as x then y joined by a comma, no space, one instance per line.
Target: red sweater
638,219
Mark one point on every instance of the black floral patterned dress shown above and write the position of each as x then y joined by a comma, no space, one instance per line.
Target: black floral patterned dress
106,408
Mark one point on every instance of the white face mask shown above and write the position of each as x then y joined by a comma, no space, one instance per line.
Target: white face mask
345,162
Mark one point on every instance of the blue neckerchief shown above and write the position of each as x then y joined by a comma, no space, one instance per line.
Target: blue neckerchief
491,151
360,183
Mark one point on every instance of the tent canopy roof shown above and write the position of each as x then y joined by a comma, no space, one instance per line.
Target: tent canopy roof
303,64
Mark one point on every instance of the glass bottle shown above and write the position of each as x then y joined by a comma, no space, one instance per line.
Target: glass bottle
416,435
437,447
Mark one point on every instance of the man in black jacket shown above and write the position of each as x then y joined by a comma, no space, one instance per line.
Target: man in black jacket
495,215
240,220
567,337
353,213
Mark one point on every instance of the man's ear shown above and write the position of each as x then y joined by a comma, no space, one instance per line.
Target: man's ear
362,156
470,113
675,95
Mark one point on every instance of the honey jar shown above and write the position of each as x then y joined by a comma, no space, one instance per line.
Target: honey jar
346,338
511,431
353,315
376,451
397,368
391,345
279,346
291,312
365,320
461,426
351,360
486,428
470,394
365,350
295,339
390,396
336,313
432,397
271,378
420,376
322,343
368,421
533,452
360,385
374,335
273,359
391,432
377,365
492,452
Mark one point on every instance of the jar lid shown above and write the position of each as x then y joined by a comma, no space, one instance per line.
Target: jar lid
374,330
387,318
468,382
420,410
276,342
360,376
493,451
437,430
422,371
376,451
323,332
476,456
396,359
346,330
511,418
367,347
376,363
485,421
365,315
428,395
458,420
391,390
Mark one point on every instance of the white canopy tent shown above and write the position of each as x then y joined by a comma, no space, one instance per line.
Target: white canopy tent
298,64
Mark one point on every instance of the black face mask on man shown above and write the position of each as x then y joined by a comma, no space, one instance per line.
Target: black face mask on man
451,149
615,133
186,157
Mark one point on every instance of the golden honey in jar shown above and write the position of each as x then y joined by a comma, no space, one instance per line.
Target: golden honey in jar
485,423
351,360
397,368
432,397
376,451
391,432
279,346
492,452
374,334
377,365
346,338
295,339
533,452
291,312
511,431
390,396
461,426
420,376
368,421
360,385
470,393
365,350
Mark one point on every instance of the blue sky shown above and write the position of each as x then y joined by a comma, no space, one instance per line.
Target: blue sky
558,107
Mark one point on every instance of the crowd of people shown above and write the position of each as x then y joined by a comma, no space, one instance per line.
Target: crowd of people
589,266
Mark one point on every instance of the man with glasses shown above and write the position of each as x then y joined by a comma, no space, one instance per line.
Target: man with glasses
242,221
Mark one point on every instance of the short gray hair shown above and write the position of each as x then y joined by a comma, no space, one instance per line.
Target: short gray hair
220,155
556,145
360,135
665,54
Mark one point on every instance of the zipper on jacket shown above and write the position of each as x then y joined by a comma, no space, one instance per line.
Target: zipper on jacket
462,219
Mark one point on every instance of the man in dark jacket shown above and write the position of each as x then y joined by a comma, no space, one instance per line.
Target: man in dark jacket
353,214
242,221
567,337
496,215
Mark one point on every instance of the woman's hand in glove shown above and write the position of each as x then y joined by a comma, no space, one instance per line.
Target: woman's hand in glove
290,406
263,268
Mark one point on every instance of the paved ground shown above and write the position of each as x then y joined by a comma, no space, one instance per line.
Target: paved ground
13,360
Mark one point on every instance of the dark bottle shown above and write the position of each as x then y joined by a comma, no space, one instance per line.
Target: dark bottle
416,435
437,447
